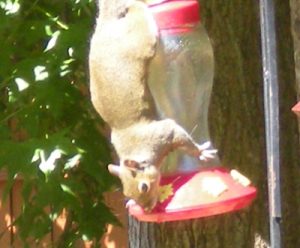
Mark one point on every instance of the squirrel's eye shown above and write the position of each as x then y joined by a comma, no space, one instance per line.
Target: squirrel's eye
133,173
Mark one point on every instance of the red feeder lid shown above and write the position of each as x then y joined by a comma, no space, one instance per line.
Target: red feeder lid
207,192
172,14
296,109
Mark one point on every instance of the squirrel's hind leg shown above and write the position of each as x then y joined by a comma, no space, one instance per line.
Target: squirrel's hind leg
182,140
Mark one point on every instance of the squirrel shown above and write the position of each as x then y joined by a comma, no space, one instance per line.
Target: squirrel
121,48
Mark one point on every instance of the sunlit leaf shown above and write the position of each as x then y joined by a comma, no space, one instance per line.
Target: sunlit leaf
67,189
72,162
10,7
52,41
40,73
49,164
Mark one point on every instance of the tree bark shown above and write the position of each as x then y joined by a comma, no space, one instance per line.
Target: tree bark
237,129
295,26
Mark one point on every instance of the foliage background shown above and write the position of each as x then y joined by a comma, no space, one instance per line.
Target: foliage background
50,135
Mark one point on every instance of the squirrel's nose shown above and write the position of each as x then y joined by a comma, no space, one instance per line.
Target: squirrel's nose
144,187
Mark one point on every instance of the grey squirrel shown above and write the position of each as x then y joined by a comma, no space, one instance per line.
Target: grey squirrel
123,44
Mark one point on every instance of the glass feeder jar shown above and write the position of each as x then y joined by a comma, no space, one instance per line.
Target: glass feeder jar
181,75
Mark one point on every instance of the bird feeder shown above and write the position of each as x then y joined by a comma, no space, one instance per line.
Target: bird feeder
202,193
180,79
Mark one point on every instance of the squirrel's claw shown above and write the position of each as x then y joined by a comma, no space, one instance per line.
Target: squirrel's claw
206,153
204,146
130,203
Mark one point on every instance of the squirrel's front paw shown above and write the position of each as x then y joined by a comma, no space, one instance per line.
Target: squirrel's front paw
205,152
130,203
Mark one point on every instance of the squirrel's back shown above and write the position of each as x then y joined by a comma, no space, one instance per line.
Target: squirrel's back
121,49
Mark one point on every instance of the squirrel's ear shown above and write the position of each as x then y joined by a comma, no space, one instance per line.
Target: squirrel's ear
131,164
114,169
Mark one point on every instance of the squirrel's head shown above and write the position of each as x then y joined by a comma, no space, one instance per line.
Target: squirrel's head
140,182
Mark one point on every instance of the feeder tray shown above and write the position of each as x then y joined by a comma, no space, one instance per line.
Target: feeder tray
206,192
296,109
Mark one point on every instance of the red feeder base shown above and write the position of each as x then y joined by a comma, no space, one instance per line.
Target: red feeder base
207,192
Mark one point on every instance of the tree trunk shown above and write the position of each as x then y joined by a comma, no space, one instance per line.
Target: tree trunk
295,26
237,130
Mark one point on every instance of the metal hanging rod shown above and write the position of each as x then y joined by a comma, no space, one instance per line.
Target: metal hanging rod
271,106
